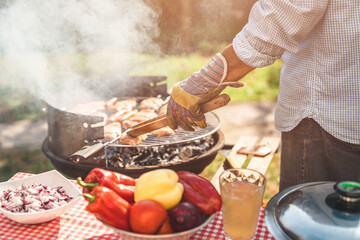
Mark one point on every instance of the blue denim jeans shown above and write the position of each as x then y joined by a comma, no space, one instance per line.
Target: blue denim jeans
309,154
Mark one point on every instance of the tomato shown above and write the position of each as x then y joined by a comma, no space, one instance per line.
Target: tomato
147,216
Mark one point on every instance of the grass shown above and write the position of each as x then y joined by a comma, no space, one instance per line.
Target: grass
261,84
24,160
16,103
272,174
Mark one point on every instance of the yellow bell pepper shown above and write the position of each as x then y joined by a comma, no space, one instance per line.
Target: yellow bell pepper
160,185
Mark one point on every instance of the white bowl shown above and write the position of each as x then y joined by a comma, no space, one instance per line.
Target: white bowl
184,235
51,178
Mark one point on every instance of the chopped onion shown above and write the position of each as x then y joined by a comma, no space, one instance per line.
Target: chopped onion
33,198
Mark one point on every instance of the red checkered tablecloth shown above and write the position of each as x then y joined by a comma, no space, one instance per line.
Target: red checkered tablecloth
79,224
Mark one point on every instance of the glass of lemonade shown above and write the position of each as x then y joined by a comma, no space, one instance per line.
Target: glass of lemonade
242,193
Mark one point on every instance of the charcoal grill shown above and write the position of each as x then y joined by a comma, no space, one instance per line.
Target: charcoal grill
68,132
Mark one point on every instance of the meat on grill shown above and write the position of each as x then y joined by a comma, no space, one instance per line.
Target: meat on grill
126,139
109,103
111,131
163,110
128,104
126,116
165,131
138,118
126,124
142,116
151,104
122,115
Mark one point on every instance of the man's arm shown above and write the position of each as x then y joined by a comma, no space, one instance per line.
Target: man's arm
236,69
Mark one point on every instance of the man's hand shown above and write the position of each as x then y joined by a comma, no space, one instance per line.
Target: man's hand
184,105
180,116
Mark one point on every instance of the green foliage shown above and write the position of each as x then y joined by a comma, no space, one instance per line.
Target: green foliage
273,177
17,104
272,174
260,84
211,169
31,161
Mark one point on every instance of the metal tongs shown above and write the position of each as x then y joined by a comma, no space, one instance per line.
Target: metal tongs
161,121
145,127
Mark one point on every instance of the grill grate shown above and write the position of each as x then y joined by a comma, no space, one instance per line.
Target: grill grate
180,136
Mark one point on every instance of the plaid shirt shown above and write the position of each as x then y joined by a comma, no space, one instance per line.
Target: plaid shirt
319,42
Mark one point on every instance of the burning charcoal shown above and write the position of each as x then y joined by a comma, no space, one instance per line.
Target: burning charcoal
155,150
162,150
190,151
147,161
158,155
142,157
186,153
153,161
116,162
173,154
175,158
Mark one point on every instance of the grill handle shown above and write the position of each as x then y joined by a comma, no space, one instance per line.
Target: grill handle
86,152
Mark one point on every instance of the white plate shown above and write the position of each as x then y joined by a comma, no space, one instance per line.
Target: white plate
184,235
51,178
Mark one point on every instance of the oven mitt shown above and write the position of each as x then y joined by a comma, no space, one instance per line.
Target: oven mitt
187,96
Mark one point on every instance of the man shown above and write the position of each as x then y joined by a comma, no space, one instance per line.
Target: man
318,108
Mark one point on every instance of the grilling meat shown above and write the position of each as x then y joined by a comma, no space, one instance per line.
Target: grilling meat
136,118
109,103
122,115
128,104
163,110
142,116
126,139
128,118
165,131
111,131
151,104
126,124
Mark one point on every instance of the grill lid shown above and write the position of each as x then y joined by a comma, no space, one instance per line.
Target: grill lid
318,210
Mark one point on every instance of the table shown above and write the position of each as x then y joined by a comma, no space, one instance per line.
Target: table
77,223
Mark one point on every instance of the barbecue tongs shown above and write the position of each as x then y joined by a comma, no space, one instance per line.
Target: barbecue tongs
145,127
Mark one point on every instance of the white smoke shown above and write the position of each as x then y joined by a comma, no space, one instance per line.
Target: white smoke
54,48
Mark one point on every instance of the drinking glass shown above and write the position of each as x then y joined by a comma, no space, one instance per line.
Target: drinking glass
242,193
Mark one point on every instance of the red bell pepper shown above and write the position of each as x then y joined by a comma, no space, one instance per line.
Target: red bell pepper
108,206
200,192
120,183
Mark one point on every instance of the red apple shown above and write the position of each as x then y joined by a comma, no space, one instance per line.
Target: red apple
147,216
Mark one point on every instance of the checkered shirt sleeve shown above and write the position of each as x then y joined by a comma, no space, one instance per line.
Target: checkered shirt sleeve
319,43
